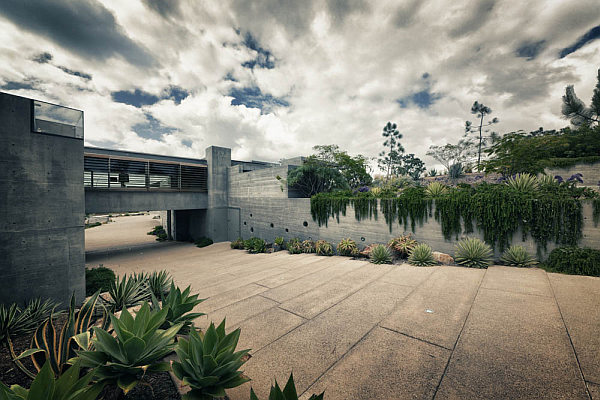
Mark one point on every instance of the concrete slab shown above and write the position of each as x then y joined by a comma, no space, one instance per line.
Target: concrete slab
594,391
313,347
319,299
266,327
408,275
513,346
436,312
237,312
579,300
384,365
304,265
337,267
519,280
226,298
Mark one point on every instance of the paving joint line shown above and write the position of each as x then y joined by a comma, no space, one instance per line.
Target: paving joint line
291,312
525,294
562,318
414,337
459,335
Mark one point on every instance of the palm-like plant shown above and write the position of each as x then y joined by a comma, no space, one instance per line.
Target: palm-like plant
210,364
288,392
128,291
517,256
179,304
421,256
435,189
523,183
473,253
136,348
381,254
347,247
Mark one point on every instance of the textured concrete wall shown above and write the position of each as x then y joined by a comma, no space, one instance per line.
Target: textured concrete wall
272,214
218,160
41,209
124,201
590,172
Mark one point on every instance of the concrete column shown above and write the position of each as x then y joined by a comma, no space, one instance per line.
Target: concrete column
218,160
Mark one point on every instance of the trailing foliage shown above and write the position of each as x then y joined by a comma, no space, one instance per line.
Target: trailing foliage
574,260
288,393
596,214
473,253
136,349
209,364
324,248
421,256
380,254
178,305
517,256
347,247
411,204
326,205
98,279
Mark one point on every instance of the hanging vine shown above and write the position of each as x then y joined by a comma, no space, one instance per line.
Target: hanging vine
596,214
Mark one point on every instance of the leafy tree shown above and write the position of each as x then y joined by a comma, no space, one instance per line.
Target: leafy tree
480,110
450,154
575,110
354,169
391,157
316,176
411,166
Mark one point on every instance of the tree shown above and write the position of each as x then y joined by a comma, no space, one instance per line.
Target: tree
480,110
316,176
411,166
392,155
450,154
354,169
575,110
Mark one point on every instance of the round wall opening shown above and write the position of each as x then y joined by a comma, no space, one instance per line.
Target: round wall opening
305,223
250,215
287,230
244,222
362,239
272,225
251,229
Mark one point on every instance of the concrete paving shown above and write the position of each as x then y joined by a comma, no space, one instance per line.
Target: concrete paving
364,331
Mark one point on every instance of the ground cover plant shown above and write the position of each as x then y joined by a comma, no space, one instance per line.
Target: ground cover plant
574,260
159,232
203,242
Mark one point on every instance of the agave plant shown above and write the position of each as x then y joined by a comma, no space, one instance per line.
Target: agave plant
255,245
279,241
517,256
288,392
237,244
17,321
128,291
323,248
57,350
523,183
294,247
179,305
68,386
380,254
159,283
473,253
421,256
308,246
402,245
347,247
136,348
546,180
210,364
435,189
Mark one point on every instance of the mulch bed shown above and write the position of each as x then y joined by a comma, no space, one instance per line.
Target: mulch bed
153,387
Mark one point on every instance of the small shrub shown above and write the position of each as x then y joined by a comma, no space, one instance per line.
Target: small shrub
435,189
574,260
255,245
421,256
402,245
347,247
237,244
323,248
308,246
294,246
279,241
381,254
523,183
517,256
98,279
473,253
209,364
203,242
288,393
159,232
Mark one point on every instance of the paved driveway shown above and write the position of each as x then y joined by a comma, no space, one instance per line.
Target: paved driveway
363,331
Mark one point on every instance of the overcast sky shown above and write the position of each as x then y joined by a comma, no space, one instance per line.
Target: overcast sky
271,79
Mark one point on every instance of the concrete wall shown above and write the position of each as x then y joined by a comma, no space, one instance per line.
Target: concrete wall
272,214
218,160
42,209
590,172
124,201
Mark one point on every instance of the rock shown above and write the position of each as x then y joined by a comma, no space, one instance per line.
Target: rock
443,258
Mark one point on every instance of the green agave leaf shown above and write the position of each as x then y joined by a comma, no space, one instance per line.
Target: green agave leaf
127,382
42,387
104,342
134,348
290,388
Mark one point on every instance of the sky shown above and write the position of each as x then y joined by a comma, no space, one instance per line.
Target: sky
271,79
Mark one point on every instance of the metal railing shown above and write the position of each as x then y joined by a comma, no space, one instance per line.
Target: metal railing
124,173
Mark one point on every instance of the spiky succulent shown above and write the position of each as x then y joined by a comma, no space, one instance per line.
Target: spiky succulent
294,246
159,283
402,245
435,189
17,321
288,393
517,256
279,241
347,247
547,180
210,364
323,248
128,291
421,256
237,244
380,254
255,245
308,246
473,253
523,183
179,305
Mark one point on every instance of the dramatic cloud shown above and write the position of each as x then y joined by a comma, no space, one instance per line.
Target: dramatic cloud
272,78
